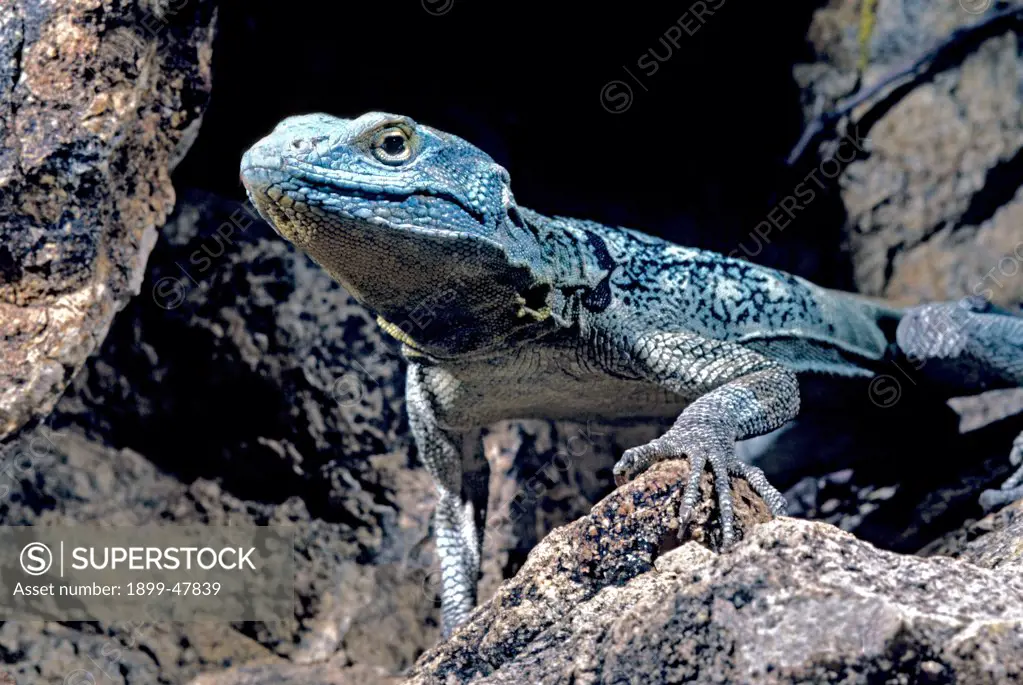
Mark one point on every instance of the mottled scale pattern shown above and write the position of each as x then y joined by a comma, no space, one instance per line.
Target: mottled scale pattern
506,313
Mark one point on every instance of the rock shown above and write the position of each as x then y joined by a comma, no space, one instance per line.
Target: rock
577,566
996,542
992,542
614,546
544,475
98,102
63,478
294,674
934,209
796,601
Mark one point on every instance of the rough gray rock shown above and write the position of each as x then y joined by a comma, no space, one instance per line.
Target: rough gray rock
98,101
63,478
796,601
295,674
578,564
992,542
934,210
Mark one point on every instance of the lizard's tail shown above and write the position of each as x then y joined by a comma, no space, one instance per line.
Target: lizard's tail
966,347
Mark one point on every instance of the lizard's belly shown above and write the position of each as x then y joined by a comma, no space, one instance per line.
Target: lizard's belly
546,384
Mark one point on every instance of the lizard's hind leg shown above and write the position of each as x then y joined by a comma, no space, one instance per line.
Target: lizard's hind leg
968,347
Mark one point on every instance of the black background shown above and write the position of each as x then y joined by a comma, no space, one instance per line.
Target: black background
697,157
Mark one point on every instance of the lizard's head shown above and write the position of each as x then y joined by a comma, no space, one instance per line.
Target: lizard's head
417,224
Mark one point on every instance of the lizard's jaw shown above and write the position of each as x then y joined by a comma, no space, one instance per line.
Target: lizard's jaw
339,225
257,182
297,202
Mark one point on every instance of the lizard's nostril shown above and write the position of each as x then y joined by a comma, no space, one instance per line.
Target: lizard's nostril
297,143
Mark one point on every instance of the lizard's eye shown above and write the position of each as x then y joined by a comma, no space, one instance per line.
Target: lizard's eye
392,146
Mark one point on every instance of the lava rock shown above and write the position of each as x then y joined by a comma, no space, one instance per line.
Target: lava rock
98,102
935,203
796,601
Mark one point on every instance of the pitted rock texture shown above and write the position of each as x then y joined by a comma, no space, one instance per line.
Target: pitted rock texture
98,102
243,369
934,211
934,207
795,602
293,674
577,568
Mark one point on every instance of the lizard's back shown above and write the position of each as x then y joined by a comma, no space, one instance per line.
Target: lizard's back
680,289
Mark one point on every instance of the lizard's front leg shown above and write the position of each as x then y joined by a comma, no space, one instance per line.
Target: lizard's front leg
461,475
743,395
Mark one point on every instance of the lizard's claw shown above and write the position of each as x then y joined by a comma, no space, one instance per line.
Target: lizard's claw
701,445
1012,489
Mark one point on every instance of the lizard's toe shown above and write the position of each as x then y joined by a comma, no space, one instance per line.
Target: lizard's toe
1012,489
701,445
758,481
1014,481
638,459
691,495
719,454
994,499
1016,454
720,463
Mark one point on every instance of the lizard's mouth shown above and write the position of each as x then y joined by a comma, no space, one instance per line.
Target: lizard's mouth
352,200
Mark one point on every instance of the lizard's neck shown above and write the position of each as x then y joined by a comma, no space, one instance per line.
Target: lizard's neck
575,260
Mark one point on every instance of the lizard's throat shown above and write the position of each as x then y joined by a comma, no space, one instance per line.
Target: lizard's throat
452,327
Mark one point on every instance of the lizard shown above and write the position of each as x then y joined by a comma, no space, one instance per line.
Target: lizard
504,313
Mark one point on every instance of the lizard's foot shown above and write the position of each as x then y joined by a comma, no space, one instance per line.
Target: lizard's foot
701,443
1011,489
